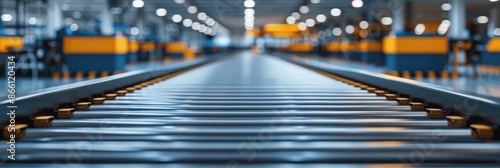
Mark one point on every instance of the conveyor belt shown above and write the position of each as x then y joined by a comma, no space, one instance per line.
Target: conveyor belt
253,111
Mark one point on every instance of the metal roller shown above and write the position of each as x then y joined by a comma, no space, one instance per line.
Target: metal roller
256,108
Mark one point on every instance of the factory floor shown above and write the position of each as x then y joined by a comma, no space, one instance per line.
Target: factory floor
486,84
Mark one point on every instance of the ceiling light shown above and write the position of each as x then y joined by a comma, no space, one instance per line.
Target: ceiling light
315,1
187,22
6,17
161,12
195,26
335,12
290,20
446,7
249,12
321,18
304,9
420,29
73,27
192,9
302,26
337,31
138,3
249,3
179,1
134,31
32,21
496,32
349,29
296,15
357,3
386,21
364,25
310,22
202,16
482,19
176,18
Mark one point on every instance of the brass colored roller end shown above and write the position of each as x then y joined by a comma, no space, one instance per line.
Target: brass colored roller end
434,113
110,96
456,121
65,113
98,100
417,106
15,131
390,96
380,92
43,121
403,101
481,131
371,89
130,89
121,92
83,105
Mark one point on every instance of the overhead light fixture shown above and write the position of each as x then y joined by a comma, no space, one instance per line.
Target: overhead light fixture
315,1
161,12
310,22
202,16
249,3
180,1
337,31
386,21
420,29
446,7
443,27
192,9
32,21
321,18
349,29
134,31
496,32
493,0
7,17
195,26
187,22
296,15
335,12
357,3
176,18
64,6
304,9
482,19
249,17
138,3
249,12
73,27
77,15
302,26
290,20
364,25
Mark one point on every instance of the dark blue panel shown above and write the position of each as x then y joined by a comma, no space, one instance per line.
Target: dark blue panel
132,57
353,56
98,63
489,58
377,58
335,54
414,63
174,55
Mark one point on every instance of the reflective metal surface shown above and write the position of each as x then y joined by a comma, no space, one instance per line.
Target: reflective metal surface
253,111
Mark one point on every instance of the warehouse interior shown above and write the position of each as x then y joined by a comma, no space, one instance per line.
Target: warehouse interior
250,83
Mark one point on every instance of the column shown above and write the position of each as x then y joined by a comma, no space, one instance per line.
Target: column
458,30
398,16
54,18
493,22
107,28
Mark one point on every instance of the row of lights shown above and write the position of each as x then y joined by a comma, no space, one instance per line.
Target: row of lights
249,14
208,25
320,18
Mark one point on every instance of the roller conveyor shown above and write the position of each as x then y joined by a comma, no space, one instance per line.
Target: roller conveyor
253,111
